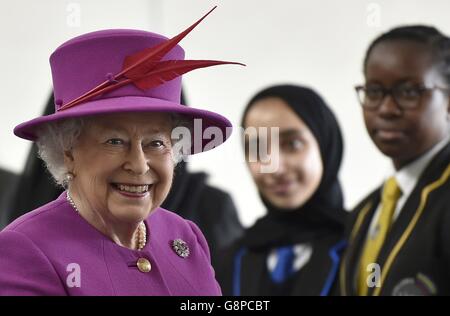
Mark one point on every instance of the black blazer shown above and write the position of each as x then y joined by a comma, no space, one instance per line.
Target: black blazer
415,257
244,272
8,183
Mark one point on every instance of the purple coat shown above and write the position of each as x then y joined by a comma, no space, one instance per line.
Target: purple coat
54,251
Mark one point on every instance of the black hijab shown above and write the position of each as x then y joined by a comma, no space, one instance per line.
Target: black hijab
323,213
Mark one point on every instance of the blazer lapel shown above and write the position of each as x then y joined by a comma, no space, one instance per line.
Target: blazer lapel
350,261
404,225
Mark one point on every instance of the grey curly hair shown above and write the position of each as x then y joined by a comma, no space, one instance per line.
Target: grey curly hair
57,137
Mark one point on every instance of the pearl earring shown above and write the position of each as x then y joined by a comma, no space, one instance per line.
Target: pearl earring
69,176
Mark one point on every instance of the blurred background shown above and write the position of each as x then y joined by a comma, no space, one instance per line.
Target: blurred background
318,43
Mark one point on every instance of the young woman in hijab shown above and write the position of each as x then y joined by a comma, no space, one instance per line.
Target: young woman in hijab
294,249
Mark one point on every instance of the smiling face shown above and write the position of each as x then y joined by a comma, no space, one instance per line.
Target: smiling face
300,165
123,165
401,134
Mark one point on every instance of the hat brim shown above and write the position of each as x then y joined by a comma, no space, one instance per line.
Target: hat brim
134,104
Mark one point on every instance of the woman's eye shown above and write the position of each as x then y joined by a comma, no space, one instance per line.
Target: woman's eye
157,143
114,141
294,144
410,92
374,93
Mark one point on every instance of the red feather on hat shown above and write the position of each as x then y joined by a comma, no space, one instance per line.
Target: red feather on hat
146,70
170,69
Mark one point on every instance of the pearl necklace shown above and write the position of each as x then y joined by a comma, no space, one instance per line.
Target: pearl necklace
141,236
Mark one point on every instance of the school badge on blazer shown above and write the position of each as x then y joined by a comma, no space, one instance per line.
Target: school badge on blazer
421,285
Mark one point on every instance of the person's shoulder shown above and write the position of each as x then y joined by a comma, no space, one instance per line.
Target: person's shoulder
162,218
164,215
215,192
25,269
365,205
6,175
168,225
208,192
34,222
369,199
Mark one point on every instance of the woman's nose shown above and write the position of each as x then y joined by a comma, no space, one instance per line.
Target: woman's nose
389,107
137,161
281,167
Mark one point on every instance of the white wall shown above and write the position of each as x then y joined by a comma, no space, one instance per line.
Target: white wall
29,32
318,43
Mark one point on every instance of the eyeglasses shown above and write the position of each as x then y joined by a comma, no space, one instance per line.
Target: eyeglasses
406,95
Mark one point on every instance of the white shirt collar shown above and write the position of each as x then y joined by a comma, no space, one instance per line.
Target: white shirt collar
408,176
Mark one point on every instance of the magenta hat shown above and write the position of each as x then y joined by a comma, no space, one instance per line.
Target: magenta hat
116,71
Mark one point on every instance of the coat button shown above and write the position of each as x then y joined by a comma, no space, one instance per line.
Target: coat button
144,265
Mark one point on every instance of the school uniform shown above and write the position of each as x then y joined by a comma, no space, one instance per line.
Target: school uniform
415,255
261,269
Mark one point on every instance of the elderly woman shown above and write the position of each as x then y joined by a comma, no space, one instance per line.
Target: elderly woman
110,143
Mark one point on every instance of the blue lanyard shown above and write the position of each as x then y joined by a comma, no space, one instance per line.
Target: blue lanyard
237,271
335,254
